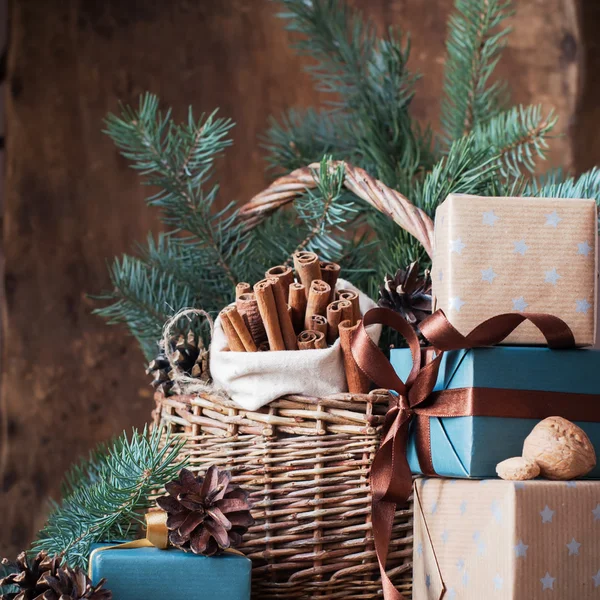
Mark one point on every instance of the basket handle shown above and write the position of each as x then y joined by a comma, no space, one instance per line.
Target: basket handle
390,202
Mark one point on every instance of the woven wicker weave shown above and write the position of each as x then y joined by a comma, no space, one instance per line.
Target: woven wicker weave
306,463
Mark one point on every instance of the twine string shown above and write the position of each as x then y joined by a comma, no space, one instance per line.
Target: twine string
184,383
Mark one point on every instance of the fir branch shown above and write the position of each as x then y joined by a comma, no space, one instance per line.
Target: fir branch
201,258
276,237
323,213
144,297
300,138
369,78
360,260
169,156
474,44
467,169
557,185
109,495
517,137
394,246
178,159
337,38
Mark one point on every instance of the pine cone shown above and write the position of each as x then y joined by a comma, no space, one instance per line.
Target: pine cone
407,294
73,584
206,515
27,577
189,354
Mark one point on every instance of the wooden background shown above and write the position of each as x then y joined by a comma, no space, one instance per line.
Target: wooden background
67,379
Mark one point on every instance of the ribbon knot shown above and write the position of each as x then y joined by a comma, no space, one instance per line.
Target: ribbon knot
402,403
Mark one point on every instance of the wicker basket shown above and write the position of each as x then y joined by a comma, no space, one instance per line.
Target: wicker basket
306,461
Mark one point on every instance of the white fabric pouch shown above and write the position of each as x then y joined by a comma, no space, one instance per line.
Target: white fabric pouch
253,379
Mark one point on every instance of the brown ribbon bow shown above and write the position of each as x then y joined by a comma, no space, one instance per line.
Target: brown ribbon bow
391,479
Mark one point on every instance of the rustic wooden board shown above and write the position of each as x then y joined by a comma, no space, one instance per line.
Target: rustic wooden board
69,381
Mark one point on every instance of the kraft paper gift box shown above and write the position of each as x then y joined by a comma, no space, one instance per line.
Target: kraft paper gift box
498,255
473,446
154,574
506,540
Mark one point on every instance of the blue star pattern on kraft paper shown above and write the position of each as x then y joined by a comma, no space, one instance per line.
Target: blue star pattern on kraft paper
542,546
497,255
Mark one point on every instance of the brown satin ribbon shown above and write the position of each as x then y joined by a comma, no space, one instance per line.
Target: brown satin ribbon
391,480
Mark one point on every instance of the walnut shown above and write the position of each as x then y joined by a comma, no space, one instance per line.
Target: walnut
561,449
517,469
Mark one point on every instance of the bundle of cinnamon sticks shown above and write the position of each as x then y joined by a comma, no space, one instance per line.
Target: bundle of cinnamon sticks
301,311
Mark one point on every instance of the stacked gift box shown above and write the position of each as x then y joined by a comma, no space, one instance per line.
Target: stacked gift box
476,535
497,262
147,572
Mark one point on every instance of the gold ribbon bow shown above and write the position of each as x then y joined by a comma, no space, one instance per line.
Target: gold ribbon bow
157,536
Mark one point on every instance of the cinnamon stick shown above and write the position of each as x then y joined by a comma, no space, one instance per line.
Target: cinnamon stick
307,339
267,308
318,323
236,320
283,313
284,273
353,297
247,306
358,382
233,339
337,311
330,273
297,302
308,268
318,299
242,288
320,341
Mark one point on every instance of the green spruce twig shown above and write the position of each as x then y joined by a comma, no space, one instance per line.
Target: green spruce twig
107,495
475,42
518,137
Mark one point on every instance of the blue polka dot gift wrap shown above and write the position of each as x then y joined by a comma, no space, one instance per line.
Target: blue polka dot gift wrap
497,255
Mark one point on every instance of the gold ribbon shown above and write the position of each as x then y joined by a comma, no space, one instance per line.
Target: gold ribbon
157,536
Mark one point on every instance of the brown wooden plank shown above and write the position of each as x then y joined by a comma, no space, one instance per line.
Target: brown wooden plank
586,148
68,380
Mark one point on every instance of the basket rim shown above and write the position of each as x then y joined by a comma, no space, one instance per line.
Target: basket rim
377,396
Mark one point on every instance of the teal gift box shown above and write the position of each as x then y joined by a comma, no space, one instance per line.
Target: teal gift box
473,446
153,574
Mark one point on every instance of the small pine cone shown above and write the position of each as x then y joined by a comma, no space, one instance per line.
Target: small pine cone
27,577
206,515
200,368
408,294
73,584
189,355
159,368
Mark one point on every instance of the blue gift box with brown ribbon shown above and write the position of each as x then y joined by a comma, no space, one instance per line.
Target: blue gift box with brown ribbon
525,383
148,573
